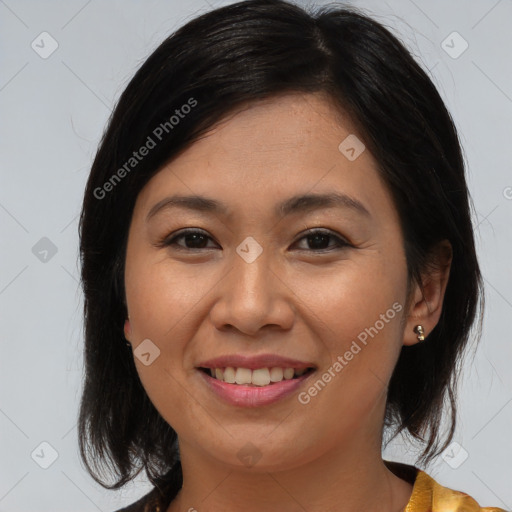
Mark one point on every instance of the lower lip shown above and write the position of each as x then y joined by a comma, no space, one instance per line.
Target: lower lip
253,396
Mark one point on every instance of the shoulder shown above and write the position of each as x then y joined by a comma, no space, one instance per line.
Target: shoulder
429,495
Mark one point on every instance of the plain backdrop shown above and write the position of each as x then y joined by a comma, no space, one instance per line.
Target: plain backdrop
63,66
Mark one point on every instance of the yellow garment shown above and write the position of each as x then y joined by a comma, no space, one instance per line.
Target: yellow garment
429,496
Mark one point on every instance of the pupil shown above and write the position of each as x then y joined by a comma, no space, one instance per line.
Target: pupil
316,237
196,237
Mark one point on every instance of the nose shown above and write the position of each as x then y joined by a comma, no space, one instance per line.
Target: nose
253,296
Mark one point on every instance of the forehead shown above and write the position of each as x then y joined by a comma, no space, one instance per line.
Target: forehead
299,123
267,151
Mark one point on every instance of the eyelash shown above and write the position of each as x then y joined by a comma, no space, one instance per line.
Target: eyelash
167,241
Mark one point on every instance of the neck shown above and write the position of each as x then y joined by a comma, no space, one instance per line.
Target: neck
351,479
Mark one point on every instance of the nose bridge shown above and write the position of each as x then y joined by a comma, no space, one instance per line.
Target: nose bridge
251,295
251,271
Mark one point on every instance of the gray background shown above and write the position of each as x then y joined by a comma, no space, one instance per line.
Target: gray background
53,112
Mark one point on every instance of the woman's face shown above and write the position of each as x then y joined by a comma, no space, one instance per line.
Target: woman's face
256,283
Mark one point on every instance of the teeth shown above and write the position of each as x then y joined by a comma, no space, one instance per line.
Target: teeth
288,373
261,377
258,377
276,374
229,375
243,376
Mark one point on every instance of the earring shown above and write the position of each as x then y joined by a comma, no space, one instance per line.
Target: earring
419,331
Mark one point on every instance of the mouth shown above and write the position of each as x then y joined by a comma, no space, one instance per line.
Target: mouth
256,377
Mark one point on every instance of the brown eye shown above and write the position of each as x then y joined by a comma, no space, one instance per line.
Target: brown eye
194,239
318,240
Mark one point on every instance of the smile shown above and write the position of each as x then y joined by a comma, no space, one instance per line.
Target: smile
242,393
255,377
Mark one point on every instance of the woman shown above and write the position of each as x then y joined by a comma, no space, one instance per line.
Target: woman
279,267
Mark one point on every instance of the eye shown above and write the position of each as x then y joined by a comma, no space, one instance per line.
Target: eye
193,237
196,240
318,237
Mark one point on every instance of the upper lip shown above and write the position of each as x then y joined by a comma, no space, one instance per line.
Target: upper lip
254,362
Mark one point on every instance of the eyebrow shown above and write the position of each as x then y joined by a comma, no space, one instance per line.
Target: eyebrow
297,204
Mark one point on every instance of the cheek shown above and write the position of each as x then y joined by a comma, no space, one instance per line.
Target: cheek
358,323
159,302
359,326
160,296
356,302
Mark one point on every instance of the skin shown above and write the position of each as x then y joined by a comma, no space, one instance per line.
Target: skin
293,300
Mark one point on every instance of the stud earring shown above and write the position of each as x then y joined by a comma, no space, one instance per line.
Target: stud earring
420,332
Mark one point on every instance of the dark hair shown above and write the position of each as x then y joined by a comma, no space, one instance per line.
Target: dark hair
217,63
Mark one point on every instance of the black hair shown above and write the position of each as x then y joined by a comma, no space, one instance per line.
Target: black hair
215,64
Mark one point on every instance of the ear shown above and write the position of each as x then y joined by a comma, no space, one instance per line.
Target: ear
127,329
426,306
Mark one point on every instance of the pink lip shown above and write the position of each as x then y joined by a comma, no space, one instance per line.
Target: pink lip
253,396
254,362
